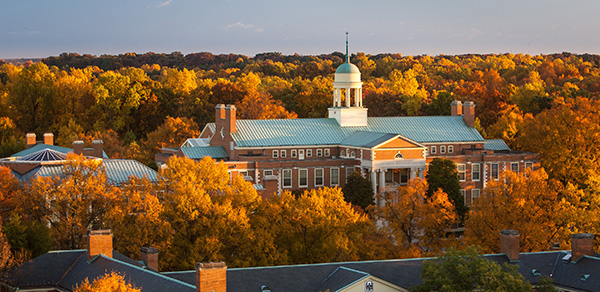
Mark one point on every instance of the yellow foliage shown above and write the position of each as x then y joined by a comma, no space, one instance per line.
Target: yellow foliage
112,282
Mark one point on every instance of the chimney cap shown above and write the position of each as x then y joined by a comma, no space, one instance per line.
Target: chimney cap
148,250
211,265
509,232
47,134
582,235
77,142
456,102
30,135
219,106
230,107
469,103
100,232
97,141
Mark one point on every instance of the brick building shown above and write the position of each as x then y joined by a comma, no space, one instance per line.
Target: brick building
295,154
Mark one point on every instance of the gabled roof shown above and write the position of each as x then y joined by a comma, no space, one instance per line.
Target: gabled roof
366,139
326,131
67,269
196,142
216,152
341,278
496,145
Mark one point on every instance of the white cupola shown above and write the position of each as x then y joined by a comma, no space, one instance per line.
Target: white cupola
347,106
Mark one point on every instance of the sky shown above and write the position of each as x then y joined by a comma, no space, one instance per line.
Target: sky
42,28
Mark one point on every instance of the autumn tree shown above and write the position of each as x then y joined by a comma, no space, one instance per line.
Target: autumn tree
260,106
417,221
527,202
315,227
112,282
443,174
567,136
210,216
172,133
135,218
467,270
34,97
72,202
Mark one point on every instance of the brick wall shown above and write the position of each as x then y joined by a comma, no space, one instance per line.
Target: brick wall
211,277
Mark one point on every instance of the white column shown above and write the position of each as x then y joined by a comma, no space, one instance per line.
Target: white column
421,172
381,186
374,183
348,97
413,173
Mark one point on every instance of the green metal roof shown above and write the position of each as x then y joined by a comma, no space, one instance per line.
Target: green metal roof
347,68
118,171
39,147
496,145
304,132
366,139
216,152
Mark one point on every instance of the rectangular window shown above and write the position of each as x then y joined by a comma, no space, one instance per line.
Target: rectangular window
450,149
308,152
335,176
475,193
461,172
514,167
349,172
404,175
318,177
267,172
352,154
275,153
283,153
442,149
319,152
294,153
301,154
494,171
433,150
302,178
287,178
463,193
475,172
327,152
529,165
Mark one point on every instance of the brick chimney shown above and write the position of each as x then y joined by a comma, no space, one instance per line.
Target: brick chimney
30,137
100,242
211,277
98,148
48,138
149,256
581,244
456,108
509,243
469,113
230,117
78,147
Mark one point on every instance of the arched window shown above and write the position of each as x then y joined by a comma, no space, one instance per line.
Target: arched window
398,156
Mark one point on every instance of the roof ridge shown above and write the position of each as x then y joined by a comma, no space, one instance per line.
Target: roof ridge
149,271
69,269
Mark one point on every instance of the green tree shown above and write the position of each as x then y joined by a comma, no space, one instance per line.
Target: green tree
442,174
34,97
467,270
358,191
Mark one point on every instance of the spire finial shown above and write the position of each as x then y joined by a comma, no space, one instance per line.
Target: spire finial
347,55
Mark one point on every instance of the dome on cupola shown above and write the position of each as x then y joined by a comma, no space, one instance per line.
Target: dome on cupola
347,68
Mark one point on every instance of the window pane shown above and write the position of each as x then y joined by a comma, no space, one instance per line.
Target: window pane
476,171
287,178
303,177
318,176
494,170
335,176
514,167
461,172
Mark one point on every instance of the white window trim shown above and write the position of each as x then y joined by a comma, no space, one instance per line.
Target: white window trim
275,154
473,172
300,177
308,152
511,167
293,153
301,154
464,172
450,149
322,177
283,172
319,152
478,191
326,152
433,150
267,172
497,171
331,176
283,154
463,193
442,149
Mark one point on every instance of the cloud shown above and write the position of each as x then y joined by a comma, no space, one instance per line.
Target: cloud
239,25
166,3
